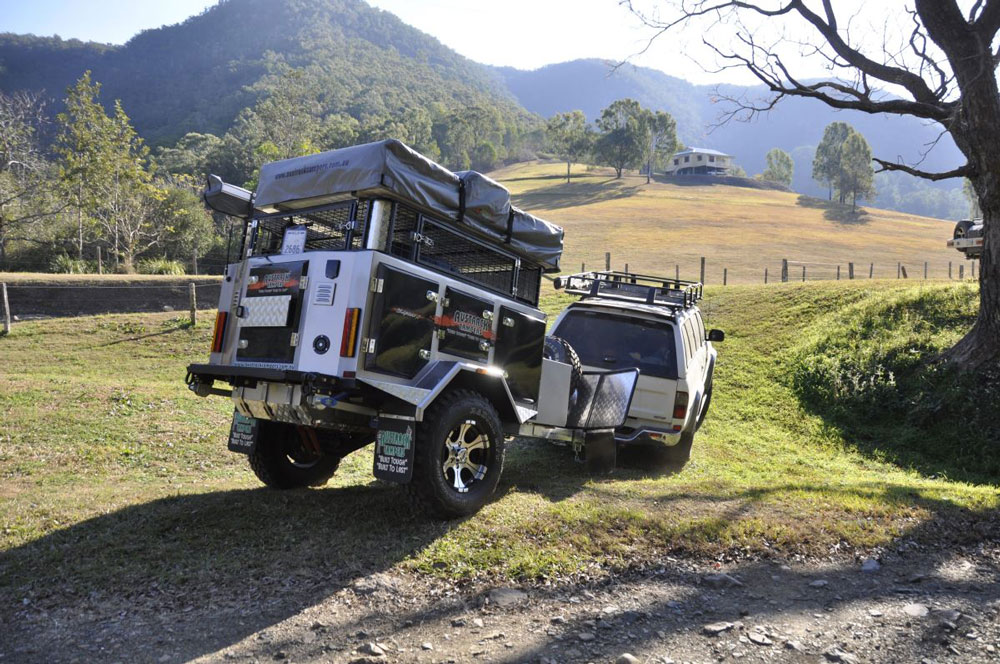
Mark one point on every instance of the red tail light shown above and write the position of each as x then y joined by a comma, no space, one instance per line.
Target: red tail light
349,339
219,332
680,405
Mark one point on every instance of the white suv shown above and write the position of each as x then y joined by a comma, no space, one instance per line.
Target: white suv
653,324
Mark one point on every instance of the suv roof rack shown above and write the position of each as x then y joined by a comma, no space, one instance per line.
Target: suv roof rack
633,288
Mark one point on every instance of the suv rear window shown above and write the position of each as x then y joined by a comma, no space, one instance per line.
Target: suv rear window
611,342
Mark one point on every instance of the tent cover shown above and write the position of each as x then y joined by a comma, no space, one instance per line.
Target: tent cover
388,168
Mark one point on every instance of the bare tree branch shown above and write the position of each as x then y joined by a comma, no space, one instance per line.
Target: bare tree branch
961,172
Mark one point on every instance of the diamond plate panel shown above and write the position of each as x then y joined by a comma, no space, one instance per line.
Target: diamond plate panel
266,311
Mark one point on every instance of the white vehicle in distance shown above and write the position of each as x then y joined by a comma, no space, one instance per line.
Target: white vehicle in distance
653,324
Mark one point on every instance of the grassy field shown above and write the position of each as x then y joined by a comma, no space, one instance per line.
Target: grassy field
115,477
655,227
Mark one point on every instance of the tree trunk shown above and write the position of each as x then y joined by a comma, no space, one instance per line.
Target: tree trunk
79,221
981,346
649,171
567,171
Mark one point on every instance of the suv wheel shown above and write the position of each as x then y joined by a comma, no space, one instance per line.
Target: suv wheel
459,455
676,456
289,457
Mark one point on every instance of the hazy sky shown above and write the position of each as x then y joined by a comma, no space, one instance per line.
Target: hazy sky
520,33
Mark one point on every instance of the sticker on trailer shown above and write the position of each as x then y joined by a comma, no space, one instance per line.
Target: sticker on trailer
294,241
394,450
243,433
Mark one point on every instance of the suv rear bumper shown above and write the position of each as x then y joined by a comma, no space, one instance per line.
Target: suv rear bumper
646,436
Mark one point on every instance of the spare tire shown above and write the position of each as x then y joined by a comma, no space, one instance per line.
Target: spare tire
559,350
962,228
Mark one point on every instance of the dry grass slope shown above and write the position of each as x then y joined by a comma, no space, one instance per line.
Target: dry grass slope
654,227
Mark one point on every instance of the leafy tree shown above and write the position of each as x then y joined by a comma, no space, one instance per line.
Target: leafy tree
85,145
826,163
857,175
623,138
569,137
191,155
188,228
25,196
661,139
780,167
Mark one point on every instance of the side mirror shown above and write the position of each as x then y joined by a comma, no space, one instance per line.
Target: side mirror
716,335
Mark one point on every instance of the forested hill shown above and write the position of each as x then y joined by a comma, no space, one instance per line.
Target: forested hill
198,75
794,125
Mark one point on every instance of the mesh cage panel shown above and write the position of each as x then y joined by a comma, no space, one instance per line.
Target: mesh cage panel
404,224
529,280
447,251
326,229
360,222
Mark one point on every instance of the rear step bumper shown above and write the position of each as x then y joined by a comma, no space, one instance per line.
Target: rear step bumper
206,374
646,436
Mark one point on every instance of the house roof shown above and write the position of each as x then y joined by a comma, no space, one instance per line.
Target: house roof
701,151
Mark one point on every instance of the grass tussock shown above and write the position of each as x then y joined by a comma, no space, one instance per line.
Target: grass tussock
870,370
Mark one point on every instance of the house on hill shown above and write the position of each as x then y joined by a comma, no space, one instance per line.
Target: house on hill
699,161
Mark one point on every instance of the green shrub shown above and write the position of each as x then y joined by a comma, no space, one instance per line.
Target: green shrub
63,264
160,266
871,369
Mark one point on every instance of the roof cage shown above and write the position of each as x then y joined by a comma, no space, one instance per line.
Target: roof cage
633,288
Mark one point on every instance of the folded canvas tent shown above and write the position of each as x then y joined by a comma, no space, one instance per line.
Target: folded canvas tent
390,169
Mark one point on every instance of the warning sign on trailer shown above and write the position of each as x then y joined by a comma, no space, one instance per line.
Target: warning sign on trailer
394,450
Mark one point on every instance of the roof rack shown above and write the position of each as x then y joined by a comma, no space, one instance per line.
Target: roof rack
632,287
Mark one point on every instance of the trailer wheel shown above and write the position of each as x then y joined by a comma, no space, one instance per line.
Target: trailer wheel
459,455
289,457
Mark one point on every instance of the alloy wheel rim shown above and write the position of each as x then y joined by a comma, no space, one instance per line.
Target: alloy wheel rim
466,448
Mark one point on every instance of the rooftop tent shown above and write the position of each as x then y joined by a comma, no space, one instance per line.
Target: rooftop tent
389,168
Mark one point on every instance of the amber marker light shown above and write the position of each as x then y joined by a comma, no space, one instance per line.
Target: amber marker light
219,332
348,340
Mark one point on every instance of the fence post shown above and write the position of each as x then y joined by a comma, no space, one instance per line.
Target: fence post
803,273
765,275
677,273
583,267
6,309
702,269
925,270
972,268
725,276
607,261
838,273
871,271
784,270
949,269
100,263
903,269
194,261
194,304
626,267
850,270
961,272
899,266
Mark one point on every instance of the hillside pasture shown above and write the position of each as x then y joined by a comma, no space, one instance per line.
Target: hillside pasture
657,226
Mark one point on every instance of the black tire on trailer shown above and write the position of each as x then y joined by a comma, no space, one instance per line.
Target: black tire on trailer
459,455
560,350
287,456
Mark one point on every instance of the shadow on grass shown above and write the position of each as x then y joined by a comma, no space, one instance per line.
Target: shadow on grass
574,194
842,213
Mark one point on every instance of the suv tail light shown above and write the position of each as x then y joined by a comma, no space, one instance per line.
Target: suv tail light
680,405
220,331
349,339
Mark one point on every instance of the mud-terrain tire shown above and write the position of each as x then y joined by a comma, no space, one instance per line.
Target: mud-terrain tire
461,429
962,228
704,408
675,457
285,457
560,350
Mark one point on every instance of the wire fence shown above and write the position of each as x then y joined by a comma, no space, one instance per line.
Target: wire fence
792,270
